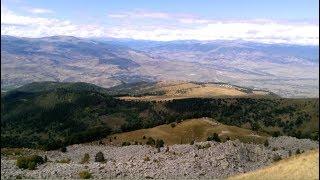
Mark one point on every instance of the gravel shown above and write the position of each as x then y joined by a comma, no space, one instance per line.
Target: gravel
141,161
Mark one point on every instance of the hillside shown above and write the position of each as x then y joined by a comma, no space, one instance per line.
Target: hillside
60,114
303,166
181,90
187,131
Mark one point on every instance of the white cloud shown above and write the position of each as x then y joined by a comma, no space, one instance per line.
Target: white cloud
39,11
140,14
27,26
171,27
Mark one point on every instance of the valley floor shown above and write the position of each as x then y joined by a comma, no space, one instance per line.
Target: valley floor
198,161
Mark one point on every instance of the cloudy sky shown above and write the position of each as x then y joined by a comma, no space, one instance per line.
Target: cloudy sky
270,21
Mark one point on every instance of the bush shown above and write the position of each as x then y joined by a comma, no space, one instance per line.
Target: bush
125,143
214,137
85,175
150,141
144,137
276,134
99,157
85,158
173,125
266,143
64,160
159,143
203,147
290,153
192,142
277,158
63,149
298,151
29,162
146,158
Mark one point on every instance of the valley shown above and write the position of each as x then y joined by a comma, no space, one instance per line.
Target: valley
278,68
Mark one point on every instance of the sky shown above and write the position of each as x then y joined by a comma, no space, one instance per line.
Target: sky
269,21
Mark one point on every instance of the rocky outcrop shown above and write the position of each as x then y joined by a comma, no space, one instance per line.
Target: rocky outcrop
181,161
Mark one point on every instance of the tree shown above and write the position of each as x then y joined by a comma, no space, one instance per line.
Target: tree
214,137
192,142
63,149
99,157
159,143
150,141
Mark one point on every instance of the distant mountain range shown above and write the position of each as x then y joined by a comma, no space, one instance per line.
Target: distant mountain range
287,70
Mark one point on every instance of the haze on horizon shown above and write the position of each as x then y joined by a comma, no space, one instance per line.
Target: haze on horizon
272,21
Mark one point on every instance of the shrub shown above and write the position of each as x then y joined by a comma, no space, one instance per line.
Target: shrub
32,165
192,142
274,149
146,158
125,143
85,175
45,158
64,160
277,158
167,149
173,125
203,146
150,141
29,162
276,134
266,143
159,143
298,151
144,137
85,158
63,149
207,145
99,157
214,137
290,153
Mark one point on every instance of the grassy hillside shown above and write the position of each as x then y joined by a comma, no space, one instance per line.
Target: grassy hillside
180,90
187,131
299,167
59,114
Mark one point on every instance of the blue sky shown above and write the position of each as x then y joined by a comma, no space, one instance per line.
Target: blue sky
273,21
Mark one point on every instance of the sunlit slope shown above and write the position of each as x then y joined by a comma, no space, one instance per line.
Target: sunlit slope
181,90
302,167
186,131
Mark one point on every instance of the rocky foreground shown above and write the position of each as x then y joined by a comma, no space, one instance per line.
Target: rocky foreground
220,160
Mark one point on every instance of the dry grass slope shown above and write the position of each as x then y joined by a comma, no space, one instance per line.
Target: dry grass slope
181,90
186,131
302,167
